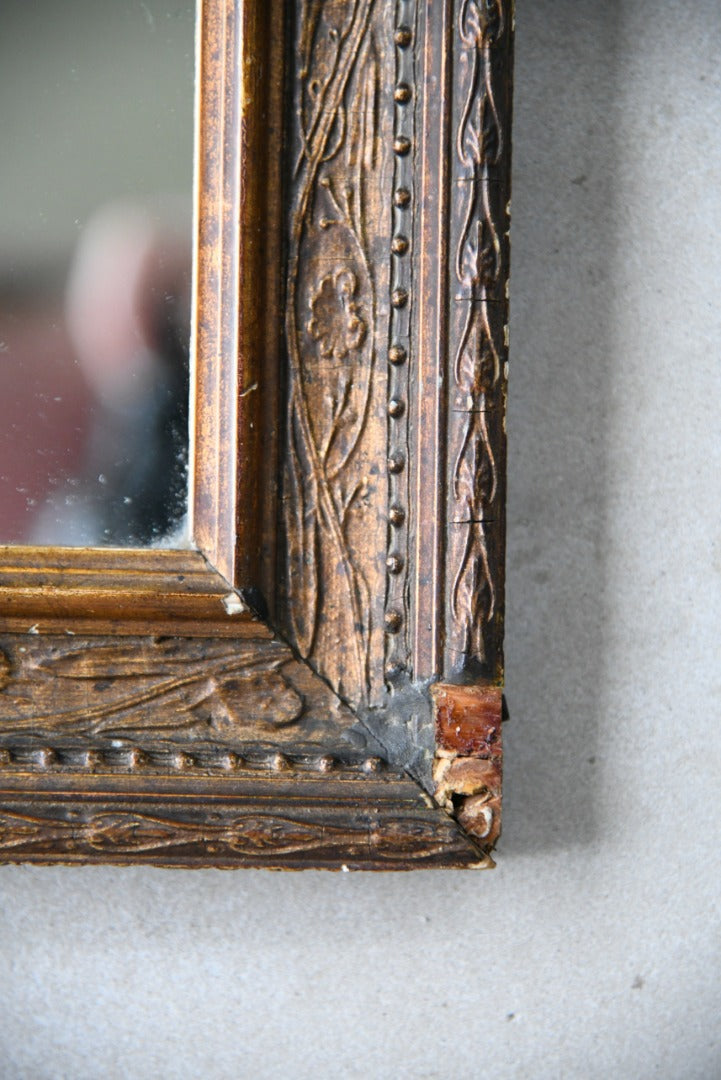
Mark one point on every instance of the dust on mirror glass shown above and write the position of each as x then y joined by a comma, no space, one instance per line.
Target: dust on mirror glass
96,116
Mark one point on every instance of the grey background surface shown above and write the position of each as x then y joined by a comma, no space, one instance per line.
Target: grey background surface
594,949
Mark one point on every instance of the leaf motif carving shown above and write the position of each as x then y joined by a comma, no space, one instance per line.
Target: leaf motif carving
187,688
481,22
479,347
261,836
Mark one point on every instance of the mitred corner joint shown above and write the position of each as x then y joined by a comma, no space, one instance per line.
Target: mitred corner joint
468,758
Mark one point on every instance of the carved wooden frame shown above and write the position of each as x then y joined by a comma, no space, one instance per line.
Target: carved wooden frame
317,683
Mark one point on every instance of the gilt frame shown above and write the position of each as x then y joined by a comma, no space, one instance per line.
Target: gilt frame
318,683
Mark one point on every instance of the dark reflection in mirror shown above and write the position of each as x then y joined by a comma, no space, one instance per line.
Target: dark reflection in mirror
96,117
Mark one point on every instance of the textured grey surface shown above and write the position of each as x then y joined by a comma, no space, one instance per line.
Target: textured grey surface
593,951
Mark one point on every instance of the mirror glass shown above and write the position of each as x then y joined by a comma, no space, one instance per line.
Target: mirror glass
96,118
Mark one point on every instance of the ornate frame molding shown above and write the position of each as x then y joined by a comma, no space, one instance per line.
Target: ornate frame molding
319,683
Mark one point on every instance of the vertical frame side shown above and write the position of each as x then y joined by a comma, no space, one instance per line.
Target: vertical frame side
338,304
231,284
477,359
467,702
399,352
270,361
431,335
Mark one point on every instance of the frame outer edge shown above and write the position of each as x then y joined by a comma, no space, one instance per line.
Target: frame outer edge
459,619
369,824
476,369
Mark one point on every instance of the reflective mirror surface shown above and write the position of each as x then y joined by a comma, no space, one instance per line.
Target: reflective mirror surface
96,120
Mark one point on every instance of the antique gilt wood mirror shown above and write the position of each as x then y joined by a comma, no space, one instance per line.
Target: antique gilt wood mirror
268,633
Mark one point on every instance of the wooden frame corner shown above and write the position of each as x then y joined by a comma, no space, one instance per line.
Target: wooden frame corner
318,682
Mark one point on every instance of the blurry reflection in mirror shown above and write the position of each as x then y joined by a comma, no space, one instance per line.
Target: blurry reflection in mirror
96,101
